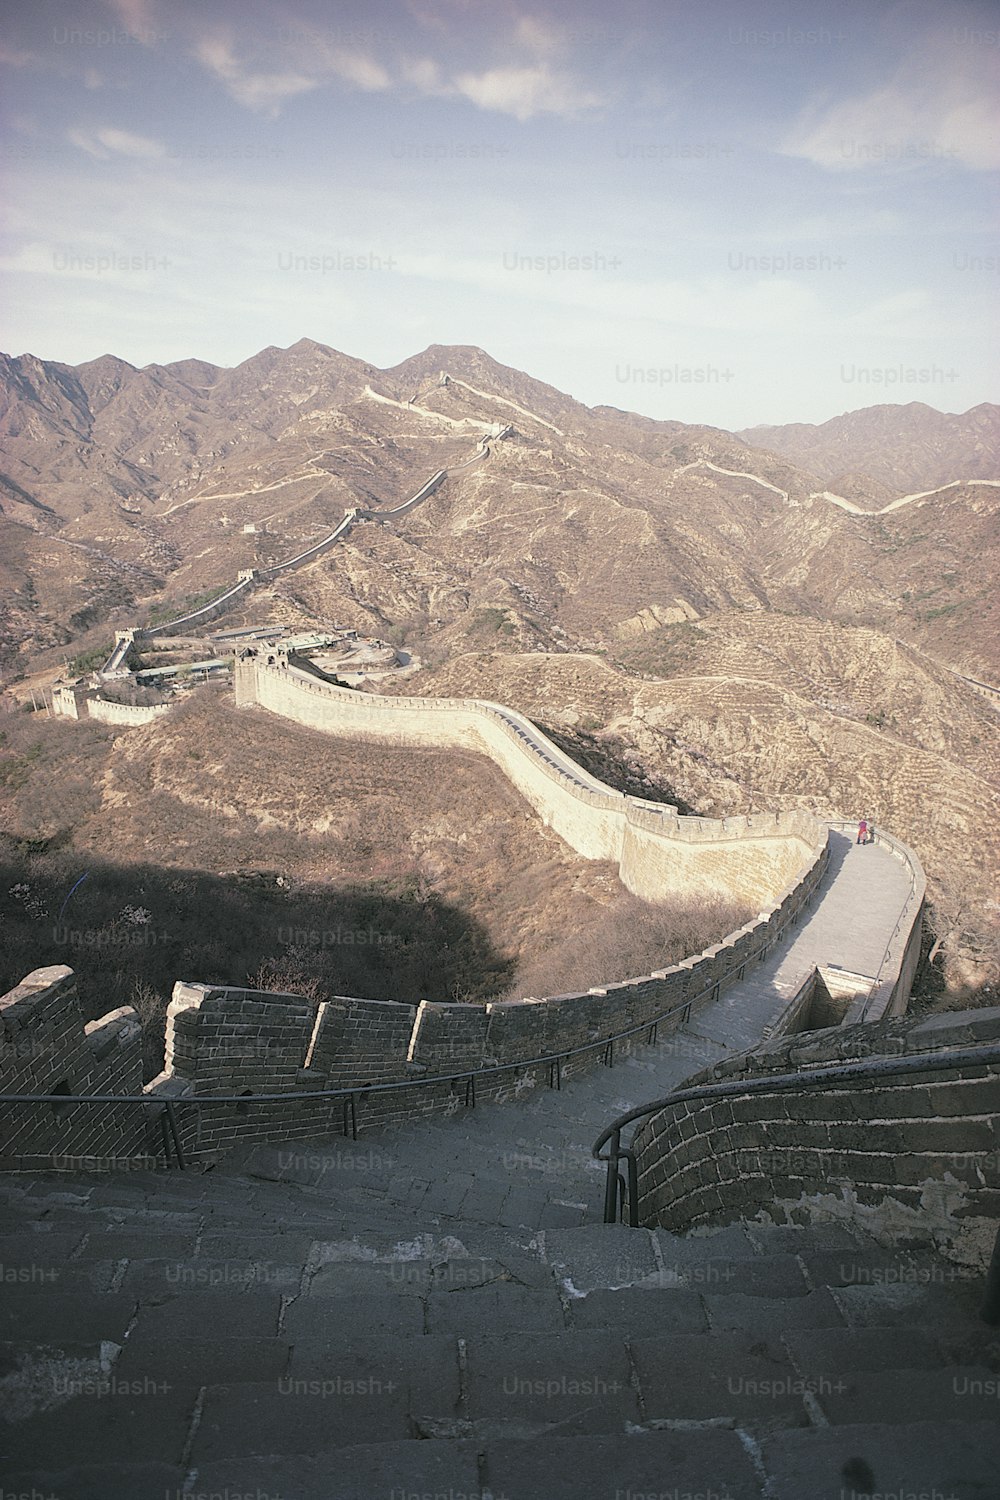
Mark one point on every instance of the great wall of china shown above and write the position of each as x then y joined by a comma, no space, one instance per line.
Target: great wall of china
778,861
231,1042
813,1180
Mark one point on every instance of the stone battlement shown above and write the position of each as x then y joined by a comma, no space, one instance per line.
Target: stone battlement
46,1048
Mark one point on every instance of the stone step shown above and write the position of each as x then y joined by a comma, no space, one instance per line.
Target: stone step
251,1314
86,1317
965,1393
99,1481
366,1401
956,1460
138,1420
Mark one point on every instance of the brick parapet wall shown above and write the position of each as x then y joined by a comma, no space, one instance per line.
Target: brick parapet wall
125,713
912,1156
46,1048
230,1041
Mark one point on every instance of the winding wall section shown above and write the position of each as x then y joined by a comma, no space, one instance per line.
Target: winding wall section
250,578
658,852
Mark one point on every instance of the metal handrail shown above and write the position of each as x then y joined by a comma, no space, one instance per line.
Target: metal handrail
621,1191
555,1060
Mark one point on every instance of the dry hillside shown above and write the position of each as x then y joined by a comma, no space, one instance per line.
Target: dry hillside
259,849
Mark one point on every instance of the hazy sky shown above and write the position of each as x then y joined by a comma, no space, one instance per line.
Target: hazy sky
727,213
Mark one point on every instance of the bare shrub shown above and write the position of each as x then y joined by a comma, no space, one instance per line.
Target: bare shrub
287,976
151,1008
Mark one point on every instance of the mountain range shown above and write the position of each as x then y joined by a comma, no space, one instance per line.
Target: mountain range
123,486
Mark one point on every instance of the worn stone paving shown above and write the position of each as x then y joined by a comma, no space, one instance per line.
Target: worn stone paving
212,1333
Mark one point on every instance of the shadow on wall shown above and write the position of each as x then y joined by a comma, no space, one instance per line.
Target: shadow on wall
130,931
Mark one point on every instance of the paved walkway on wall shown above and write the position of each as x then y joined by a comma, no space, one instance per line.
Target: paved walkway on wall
528,1164
177,1335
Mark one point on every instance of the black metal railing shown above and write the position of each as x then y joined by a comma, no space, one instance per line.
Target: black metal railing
621,1191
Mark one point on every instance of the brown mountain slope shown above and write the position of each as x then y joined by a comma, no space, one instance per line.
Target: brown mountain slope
912,446
789,629
181,475
762,712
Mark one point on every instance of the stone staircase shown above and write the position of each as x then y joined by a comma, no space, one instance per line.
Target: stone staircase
436,1310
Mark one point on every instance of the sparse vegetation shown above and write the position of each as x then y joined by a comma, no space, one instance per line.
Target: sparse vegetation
131,931
89,661
628,942
172,609
665,652
491,621
612,762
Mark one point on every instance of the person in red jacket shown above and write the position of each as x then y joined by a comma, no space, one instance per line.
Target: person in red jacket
862,837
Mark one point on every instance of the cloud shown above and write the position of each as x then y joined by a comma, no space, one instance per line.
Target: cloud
537,36
18,57
531,85
527,92
107,142
137,18
262,92
425,75
526,88
937,107
310,65
361,71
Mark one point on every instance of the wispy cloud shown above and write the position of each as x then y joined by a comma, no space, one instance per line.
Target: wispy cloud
535,83
137,17
18,57
107,142
264,92
937,107
311,61
538,83
538,36
527,92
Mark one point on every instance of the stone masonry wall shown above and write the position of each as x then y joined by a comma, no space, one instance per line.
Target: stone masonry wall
231,1041
657,852
45,1048
125,713
907,1156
